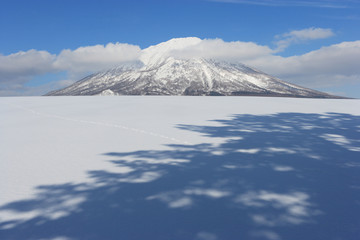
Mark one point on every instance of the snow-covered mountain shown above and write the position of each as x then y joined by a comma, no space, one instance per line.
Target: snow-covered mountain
161,72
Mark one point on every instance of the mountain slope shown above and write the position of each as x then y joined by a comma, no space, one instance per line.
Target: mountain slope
160,73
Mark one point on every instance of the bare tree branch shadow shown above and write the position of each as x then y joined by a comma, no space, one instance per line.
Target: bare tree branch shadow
281,176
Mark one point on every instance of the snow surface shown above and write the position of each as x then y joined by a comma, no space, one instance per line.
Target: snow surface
202,168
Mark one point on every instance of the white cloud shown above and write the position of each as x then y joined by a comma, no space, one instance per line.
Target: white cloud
19,68
329,66
298,36
300,3
96,58
218,49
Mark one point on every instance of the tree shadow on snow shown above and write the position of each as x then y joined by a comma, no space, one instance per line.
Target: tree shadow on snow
282,176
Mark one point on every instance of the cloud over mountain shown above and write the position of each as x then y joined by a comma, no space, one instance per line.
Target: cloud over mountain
219,49
19,68
95,58
328,66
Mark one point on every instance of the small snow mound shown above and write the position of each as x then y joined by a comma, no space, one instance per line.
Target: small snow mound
107,92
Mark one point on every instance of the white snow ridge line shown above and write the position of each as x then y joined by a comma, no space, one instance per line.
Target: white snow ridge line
103,124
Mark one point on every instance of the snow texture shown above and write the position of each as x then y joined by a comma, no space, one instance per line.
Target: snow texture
202,168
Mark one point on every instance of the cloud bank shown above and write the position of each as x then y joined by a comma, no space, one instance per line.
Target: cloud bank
19,68
298,36
16,68
333,65
229,51
96,58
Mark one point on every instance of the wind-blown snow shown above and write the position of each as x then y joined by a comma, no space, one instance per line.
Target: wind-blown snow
156,54
179,168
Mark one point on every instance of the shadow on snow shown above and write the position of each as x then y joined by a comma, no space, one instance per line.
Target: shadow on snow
281,176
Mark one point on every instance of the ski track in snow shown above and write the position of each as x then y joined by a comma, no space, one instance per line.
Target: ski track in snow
119,126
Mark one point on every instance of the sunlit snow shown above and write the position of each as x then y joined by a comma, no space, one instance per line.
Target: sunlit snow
201,168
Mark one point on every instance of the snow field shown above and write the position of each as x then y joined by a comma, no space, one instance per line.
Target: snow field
224,167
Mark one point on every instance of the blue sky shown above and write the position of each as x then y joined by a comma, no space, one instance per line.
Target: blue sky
51,26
